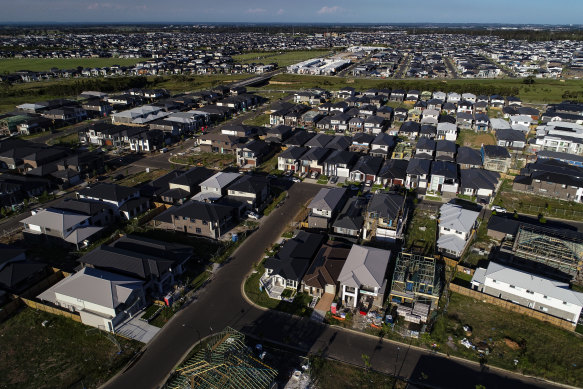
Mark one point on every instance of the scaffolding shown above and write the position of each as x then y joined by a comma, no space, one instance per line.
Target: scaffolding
559,249
225,362
417,279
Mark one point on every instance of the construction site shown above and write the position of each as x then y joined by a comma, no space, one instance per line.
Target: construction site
561,250
223,362
416,287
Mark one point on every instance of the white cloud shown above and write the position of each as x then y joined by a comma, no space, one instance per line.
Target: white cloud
256,11
280,11
329,10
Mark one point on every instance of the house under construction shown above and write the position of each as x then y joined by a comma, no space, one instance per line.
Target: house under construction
225,362
559,249
417,279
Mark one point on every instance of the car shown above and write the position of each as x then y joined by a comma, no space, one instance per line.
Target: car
303,175
295,179
499,209
252,215
334,179
288,173
368,183
354,187
314,174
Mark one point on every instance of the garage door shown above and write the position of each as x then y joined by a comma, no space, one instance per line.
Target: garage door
330,289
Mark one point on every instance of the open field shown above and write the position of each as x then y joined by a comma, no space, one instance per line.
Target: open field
187,83
542,91
11,65
60,355
540,348
209,160
282,59
474,139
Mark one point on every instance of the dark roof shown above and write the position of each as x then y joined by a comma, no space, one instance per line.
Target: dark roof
351,216
410,126
299,138
327,265
479,178
361,137
339,142
320,140
510,135
368,165
88,208
493,151
425,144
394,168
108,191
293,152
14,273
315,154
342,157
294,257
468,156
250,184
198,210
446,146
386,205
446,119
192,177
168,250
384,139
428,129
444,168
418,166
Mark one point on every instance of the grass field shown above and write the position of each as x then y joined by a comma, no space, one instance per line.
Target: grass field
540,348
259,120
282,59
61,355
475,139
542,91
210,160
423,241
142,177
11,65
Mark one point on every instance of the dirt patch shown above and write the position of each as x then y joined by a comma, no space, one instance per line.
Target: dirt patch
511,344
280,83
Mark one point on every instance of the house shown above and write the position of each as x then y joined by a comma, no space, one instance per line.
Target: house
479,182
425,148
447,131
356,124
453,97
481,122
410,130
444,178
17,274
428,131
219,143
339,122
393,173
386,217
198,218
400,114
179,186
216,186
499,124
298,138
366,169
322,275
102,299
529,290
125,201
445,150
313,160
375,124
397,95
465,120
468,158
511,138
417,173
324,207
382,145
348,224
250,190
416,279
287,268
278,134
147,141
522,120
253,153
319,140
497,102
362,278
456,225
496,158
289,159
339,142
551,178
575,160
339,162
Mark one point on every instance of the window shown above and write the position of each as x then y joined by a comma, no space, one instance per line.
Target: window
529,291
565,303
544,309
512,286
198,230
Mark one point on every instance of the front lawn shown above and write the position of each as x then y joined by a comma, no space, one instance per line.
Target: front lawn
62,354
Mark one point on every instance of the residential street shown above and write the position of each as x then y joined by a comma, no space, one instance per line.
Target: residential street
221,304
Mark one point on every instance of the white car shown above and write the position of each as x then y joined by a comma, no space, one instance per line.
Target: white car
499,209
295,179
252,215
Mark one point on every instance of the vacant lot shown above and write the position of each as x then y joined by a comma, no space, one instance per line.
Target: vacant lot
282,59
541,349
62,354
421,232
474,139
209,160
11,65
141,178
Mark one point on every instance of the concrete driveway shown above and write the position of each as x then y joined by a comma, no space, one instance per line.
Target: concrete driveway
137,329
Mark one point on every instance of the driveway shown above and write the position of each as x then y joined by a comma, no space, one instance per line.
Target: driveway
137,329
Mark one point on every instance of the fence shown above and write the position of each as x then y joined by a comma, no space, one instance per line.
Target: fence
564,324
9,308
45,283
51,309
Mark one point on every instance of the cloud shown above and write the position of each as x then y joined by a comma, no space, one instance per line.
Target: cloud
256,11
329,10
280,11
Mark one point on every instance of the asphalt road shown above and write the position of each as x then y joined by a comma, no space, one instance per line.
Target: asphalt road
221,304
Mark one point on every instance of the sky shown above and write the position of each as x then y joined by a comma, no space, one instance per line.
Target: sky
294,11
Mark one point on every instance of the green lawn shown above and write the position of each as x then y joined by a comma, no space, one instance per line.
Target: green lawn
71,140
61,355
141,178
282,59
541,349
259,120
474,139
279,198
270,165
11,65
210,160
415,238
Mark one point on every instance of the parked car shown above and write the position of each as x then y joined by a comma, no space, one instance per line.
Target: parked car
288,173
334,179
295,179
303,174
354,187
252,215
368,183
499,209
314,174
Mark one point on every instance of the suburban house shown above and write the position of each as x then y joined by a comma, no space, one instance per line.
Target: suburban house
417,173
289,159
456,225
322,276
339,162
511,138
362,278
216,186
410,130
366,169
468,158
529,290
250,190
479,182
447,131
251,154
313,160
198,218
287,268
425,148
386,217
551,178
393,173
125,201
350,219
178,186
102,299
17,274
324,207
444,178
496,158
382,145
445,150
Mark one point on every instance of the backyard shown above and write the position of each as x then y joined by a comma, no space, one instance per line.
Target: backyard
62,354
540,348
